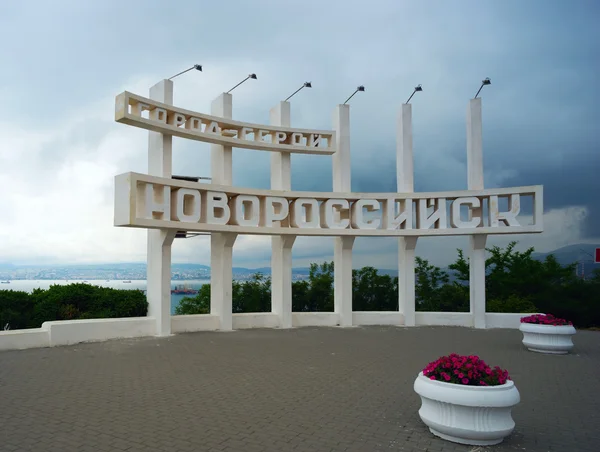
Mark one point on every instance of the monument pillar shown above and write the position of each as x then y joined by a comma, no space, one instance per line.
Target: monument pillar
476,242
342,260
159,241
221,243
406,245
281,246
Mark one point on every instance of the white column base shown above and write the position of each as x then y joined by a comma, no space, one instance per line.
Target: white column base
406,279
281,279
342,281
158,275
221,277
477,280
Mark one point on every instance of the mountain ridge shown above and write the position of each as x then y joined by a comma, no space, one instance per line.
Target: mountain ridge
136,270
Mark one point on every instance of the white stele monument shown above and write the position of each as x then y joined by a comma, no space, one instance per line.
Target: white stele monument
164,205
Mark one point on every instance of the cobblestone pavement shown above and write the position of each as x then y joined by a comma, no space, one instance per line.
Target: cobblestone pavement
305,389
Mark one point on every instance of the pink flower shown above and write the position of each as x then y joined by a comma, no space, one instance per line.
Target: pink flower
469,370
545,319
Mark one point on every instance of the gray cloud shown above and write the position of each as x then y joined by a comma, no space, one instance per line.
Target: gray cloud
540,113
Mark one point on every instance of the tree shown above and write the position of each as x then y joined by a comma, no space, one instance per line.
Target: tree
320,293
253,295
300,291
429,279
373,292
200,304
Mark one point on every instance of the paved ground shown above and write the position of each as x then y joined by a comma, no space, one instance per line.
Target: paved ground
306,389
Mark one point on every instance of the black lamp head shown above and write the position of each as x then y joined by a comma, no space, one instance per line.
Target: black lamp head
418,88
307,85
252,76
360,88
484,82
198,67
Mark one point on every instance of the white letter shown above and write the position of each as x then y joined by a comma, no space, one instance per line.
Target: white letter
297,138
244,132
177,119
307,217
159,114
273,211
455,220
157,207
138,108
194,124
244,211
216,201
437,219
358,221
261,134
185,205
280,137
329,214
314,141
213,127
404,220
507,218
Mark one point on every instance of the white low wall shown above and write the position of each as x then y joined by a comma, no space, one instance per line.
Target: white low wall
195,322
503,320
315,319
443,319
21,339
255,320
66,332
377,318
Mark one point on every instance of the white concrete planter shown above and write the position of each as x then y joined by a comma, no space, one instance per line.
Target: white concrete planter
475,415
547,338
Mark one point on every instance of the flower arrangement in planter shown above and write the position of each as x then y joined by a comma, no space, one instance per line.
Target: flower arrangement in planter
545,319
544,333
466,401
465,370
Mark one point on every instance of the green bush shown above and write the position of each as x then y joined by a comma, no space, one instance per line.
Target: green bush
16,310
200,304
513,303
69,302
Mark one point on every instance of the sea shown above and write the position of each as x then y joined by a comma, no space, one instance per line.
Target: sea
28,285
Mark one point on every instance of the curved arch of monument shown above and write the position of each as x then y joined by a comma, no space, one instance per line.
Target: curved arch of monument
164,205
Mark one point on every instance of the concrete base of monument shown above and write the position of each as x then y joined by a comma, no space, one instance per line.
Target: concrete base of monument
68,332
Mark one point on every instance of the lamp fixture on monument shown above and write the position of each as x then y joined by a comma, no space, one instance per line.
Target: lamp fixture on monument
417,88
360,88
305,85
198,67
250,76
484,82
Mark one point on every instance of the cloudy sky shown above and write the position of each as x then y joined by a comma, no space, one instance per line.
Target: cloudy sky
64,61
